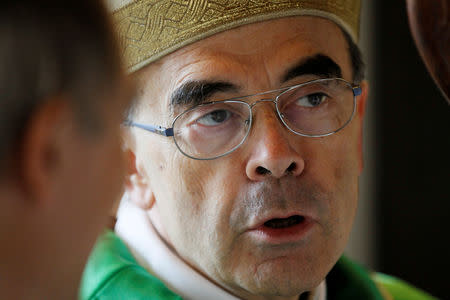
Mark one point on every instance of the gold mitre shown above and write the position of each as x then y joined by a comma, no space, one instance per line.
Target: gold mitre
151,29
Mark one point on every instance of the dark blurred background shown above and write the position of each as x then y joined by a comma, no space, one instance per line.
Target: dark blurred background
414,159
403,222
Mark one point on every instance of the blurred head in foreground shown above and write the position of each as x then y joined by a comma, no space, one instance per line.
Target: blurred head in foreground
62,100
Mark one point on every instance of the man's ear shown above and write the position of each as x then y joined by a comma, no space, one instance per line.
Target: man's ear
137,186
361,110
41,145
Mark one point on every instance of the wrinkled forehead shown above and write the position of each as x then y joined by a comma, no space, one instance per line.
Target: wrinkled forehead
251,58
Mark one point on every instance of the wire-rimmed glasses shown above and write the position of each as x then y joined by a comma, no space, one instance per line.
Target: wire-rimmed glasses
214,129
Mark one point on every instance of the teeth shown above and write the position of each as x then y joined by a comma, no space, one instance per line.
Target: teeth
283,223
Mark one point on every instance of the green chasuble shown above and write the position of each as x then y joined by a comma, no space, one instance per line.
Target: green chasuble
112,273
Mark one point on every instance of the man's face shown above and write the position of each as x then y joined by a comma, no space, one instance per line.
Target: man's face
214,213
93,173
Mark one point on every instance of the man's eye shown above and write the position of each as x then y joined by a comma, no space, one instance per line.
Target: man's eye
215,117
311,100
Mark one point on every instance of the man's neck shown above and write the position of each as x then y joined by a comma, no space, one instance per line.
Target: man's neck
29,268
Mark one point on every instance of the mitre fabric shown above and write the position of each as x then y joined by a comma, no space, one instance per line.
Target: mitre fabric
151,29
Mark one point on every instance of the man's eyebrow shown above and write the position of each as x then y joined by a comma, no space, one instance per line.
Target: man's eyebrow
319,65
193,93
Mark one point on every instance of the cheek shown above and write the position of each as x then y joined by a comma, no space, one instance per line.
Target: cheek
346,176
178,185
333,162
95,184
108,166
203,194
196,209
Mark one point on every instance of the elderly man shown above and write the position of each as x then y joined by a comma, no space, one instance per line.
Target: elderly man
63,97
245,151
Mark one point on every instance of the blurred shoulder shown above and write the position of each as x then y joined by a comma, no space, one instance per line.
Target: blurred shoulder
398,289
350,280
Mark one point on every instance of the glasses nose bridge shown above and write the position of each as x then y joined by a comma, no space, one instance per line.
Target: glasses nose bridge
269,96
263,100
266,100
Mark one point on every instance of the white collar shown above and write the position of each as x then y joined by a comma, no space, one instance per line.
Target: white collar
135,229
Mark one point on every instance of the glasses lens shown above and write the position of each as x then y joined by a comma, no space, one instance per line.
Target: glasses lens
317,108
211,130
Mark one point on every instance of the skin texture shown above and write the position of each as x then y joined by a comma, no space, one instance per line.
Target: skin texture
204,209
56,197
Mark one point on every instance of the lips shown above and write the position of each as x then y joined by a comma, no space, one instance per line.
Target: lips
284,222
277,230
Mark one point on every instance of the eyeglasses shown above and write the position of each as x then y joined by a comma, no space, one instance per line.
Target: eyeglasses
214,129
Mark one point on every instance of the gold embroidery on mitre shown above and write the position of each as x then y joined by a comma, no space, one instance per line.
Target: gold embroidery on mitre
150,29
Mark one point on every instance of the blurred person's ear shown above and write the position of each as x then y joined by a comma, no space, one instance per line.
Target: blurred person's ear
45,137
137,186
361,110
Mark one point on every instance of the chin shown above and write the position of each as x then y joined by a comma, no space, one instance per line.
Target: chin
285,277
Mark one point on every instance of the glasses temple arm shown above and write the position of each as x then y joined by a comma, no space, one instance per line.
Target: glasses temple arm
152,128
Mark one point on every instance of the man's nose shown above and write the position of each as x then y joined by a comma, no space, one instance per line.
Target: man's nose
272,147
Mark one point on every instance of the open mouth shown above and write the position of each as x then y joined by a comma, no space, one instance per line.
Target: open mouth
284,222
277,231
